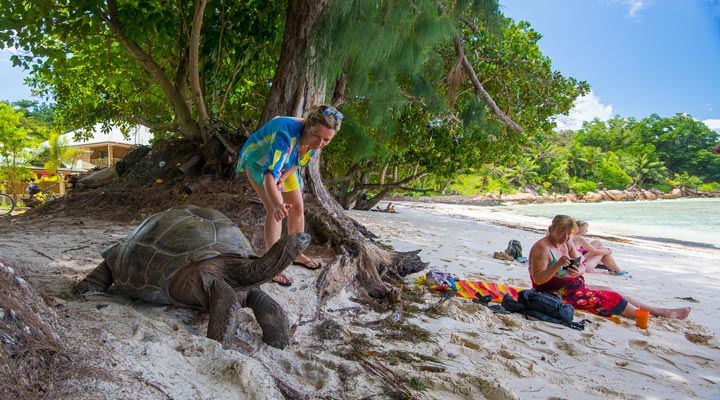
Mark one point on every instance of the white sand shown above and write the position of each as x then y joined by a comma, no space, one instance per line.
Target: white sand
157,352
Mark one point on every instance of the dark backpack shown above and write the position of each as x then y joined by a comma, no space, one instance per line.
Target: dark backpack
514,249
543,306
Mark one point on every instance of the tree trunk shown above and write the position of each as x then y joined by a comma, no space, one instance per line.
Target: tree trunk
296,87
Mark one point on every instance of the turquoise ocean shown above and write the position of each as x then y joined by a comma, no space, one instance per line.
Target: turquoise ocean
689,222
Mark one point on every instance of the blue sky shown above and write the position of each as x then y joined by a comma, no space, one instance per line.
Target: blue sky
639,56
11,80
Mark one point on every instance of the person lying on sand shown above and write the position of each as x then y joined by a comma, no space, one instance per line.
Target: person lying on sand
390,208
595,254
551,271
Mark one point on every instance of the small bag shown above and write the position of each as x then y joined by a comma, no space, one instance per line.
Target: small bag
440,279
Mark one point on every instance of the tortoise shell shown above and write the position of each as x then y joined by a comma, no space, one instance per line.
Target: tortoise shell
143,263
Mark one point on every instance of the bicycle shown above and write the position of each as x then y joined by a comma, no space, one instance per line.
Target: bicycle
40,196
7,205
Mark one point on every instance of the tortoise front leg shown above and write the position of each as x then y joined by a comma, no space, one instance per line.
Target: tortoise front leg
99,280
222,307
271,317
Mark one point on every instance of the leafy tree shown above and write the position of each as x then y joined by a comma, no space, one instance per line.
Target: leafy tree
175,66
444,136
683,143
16,135
523,173
610,174
685,182
616,133
643,165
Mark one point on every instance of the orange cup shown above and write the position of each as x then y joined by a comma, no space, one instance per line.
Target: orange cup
641,318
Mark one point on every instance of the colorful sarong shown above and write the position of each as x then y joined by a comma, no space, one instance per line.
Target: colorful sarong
467,289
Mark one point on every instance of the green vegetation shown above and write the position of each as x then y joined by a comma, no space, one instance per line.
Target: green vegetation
614,154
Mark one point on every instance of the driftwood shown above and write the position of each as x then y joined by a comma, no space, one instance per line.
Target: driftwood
98,179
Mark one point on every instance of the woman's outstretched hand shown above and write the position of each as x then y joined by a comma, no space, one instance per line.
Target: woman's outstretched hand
281,211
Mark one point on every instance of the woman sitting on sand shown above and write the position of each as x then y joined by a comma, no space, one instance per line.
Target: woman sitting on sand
596,255
550,271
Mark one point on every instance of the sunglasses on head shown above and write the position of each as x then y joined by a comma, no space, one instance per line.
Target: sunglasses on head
335,113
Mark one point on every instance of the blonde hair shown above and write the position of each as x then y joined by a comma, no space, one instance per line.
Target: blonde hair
324,114
562,222
582,224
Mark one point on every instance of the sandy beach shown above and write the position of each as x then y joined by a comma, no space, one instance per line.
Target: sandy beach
143,351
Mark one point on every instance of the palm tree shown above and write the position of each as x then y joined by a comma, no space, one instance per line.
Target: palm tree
524,173
644,169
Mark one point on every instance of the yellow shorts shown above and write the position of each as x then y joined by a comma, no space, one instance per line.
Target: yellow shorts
291,183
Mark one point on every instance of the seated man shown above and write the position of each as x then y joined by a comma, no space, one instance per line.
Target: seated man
550,271
596,255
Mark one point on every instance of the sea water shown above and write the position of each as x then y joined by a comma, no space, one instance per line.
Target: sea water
692,222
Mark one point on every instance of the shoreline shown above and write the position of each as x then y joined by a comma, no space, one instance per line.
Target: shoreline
495,213
492,200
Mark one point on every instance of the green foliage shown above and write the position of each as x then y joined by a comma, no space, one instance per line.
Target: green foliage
683,144
129,60
412,108
610,174
710,187
17,133
582,186
685,182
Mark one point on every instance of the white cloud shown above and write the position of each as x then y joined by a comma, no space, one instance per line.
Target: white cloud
713,124
586,108
634,6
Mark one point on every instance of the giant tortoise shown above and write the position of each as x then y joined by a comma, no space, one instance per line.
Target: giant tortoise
197,257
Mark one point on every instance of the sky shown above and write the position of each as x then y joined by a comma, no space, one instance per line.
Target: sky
639,56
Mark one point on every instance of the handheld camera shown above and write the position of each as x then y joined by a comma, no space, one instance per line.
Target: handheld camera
574,262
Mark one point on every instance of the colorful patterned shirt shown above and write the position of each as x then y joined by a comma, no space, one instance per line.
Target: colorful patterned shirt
274,147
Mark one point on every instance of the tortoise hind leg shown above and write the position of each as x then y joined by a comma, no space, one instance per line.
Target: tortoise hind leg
99,280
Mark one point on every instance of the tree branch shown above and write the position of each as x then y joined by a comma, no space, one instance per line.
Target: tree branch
480,90
194,68
173,94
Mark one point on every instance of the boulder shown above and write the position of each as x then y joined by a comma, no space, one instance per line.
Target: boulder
592,197
648,195
615,195
675,194
518,197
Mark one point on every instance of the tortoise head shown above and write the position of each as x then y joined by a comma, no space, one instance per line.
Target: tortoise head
253,272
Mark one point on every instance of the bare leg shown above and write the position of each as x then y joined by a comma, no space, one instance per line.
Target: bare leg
592,259
674,313
296,219
272,229
609,262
